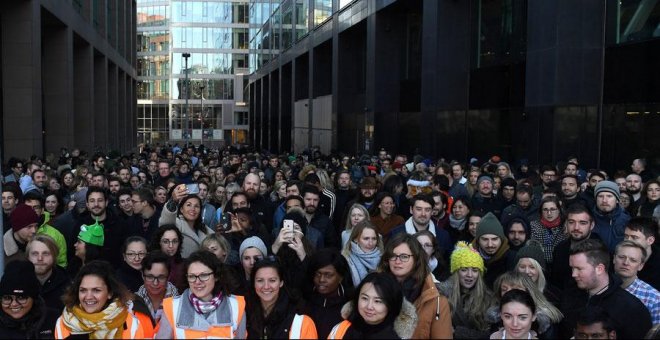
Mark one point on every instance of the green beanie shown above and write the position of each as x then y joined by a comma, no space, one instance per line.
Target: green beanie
92,234
532,250
489,224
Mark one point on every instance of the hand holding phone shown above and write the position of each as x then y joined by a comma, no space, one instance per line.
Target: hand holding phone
193,189
288,230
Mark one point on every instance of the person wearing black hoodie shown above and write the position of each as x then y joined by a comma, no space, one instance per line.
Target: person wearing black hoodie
327,288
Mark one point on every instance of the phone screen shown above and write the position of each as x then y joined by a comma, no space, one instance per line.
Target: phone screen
193,188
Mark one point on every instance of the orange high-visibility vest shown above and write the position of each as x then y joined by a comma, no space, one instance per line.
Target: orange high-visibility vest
302,327
171,307
339,330
133,329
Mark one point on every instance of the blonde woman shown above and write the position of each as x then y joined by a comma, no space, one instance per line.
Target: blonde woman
468,295
356,214
364,251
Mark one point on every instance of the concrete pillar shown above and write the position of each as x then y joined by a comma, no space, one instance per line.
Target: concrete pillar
83,95
122,108
101,101
113,135
21,48
57,79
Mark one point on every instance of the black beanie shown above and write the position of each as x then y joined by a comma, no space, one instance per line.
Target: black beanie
20,279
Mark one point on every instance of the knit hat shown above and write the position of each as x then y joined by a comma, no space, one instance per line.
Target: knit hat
509,182
20,279
464,256
531,250
23,217
410,166
253,242
489,224
484,177
369,183
607,186
92,234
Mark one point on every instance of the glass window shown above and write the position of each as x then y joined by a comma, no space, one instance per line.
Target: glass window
501,29
634,20
152,16
322,11
214,88
302,10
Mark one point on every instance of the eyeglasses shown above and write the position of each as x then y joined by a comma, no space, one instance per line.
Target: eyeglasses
402,257
549,210
202,277
8,299
169,242
135,255
427,245
155,279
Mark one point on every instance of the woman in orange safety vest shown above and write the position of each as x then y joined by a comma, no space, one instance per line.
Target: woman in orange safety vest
97,305
205,309
272,312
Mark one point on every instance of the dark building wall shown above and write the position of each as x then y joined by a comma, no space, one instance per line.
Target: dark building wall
56,66
538,80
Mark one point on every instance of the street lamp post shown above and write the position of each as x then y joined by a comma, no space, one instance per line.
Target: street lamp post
201,114
186,56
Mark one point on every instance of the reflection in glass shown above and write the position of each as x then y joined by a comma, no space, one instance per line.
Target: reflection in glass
636,20
322,11
501,27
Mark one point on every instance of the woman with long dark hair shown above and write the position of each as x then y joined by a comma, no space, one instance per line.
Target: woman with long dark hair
187,217
168,240
406,260
273,313
377,311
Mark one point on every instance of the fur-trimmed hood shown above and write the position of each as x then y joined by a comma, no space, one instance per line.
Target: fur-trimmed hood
404,324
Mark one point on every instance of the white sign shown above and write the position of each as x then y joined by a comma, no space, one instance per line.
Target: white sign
176,134
196,134
217,134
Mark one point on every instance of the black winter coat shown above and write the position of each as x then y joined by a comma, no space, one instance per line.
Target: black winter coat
631,318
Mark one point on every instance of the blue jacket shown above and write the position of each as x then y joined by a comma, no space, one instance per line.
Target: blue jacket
610,226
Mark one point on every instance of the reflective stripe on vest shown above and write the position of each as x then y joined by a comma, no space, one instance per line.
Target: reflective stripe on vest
339,330
296,327
180,333
133,322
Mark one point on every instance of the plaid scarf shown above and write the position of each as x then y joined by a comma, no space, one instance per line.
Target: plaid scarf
106,324
203,307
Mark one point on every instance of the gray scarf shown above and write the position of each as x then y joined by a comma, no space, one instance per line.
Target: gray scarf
456,223
362,263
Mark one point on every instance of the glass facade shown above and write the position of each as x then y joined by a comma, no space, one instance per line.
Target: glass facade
633,21
216,36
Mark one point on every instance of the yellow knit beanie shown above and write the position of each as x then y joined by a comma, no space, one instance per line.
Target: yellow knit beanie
464,256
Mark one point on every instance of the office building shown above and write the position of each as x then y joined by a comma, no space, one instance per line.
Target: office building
538,80
192,67
68,76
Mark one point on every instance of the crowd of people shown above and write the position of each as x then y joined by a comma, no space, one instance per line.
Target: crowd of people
190,242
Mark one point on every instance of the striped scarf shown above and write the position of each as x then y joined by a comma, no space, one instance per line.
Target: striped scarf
106,324
203,307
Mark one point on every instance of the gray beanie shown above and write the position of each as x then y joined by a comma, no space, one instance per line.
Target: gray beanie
607,186
253,242
484,177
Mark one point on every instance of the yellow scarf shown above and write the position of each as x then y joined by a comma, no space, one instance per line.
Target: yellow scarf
106,324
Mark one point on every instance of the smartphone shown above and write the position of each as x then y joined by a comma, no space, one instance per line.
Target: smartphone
192,188
288,229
